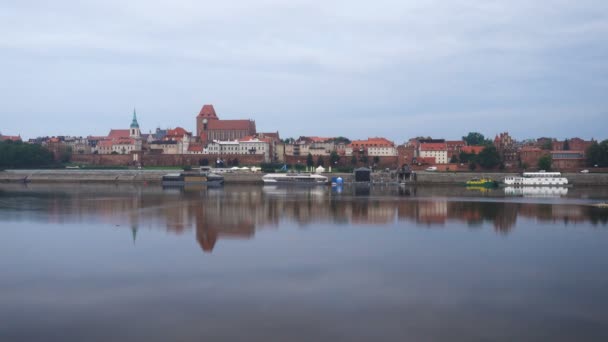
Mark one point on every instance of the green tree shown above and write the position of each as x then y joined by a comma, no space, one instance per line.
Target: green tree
19,154
353,160
566,145
544,162
488,157
454,159
474,138
376,160
547,145
320,161
363,158
309,161
339,140
597,154
334,157
472,165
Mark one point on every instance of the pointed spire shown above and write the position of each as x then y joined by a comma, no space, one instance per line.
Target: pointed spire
134,123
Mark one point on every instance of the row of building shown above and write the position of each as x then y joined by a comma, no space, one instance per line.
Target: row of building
215,136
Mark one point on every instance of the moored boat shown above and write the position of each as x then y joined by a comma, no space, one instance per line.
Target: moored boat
481,182
192,178
294,178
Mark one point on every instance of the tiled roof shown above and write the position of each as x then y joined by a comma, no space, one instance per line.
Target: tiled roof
105,143
373,142
195,147
10,137
208,112
230,124
433,147
118,133
472,149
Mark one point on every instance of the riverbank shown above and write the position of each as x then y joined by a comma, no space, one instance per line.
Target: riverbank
154,176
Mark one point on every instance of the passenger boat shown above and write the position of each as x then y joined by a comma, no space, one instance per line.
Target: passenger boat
294,178
537,179
192,178
482,182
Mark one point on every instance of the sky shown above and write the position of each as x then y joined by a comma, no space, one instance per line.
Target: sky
397,69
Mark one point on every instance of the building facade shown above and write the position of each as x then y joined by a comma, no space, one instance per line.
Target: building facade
210,128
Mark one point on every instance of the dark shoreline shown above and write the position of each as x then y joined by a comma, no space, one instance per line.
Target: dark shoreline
154,176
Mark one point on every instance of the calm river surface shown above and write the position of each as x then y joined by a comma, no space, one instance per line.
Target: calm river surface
253,263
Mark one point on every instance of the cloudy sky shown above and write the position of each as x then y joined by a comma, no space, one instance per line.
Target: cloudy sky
382,68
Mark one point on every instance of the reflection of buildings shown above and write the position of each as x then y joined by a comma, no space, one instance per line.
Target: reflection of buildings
237,212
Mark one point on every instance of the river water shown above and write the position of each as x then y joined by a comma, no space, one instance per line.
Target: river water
253,263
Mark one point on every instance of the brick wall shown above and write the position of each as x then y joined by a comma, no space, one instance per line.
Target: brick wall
390,162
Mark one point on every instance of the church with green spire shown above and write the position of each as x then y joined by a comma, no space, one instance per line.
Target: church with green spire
134,131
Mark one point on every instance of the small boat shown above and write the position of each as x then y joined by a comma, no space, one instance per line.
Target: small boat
541,178
294,178
192,178
482,182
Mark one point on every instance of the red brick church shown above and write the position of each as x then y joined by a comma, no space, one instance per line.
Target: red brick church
209,127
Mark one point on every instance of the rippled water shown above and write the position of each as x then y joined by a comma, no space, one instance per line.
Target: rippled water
252,263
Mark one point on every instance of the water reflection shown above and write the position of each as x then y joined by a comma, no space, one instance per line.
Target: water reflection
536,191
237,212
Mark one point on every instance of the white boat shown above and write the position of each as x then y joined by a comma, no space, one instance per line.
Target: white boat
294,178
537,179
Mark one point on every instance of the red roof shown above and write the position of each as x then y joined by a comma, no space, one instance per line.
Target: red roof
373,142
472,149
10,137
105,143
176,133
433,147
208,112
230,124
195,147
118,133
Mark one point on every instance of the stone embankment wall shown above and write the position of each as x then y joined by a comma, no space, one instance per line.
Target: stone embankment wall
423,178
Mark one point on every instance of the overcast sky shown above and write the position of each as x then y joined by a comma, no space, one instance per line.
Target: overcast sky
383,68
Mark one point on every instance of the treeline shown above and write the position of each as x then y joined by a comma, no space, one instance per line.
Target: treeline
597,154
19,155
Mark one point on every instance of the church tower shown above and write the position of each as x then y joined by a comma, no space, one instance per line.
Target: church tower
134,131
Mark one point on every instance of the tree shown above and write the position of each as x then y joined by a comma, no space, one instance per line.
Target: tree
376,160
474,138
544,162
547,145
353,160
466,157
343,140
320,161
454,159
488,157
363,158
566,145
334,157
19,154
309,161
472,165
597,154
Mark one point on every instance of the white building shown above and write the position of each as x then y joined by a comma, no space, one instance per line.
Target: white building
439,151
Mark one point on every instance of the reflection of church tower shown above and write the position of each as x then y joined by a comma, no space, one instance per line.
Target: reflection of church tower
134,131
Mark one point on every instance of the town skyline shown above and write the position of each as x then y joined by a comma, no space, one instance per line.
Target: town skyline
191,126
